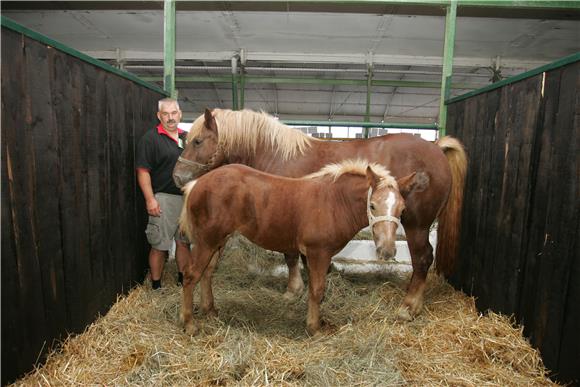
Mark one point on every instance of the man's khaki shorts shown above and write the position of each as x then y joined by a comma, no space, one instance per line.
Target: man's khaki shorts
161,230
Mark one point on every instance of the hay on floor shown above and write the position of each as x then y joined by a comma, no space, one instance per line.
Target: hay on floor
260,338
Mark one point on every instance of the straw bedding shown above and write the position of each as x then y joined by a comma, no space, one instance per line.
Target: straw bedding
260,338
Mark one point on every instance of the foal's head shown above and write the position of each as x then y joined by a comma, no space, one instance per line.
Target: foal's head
386,203
385,199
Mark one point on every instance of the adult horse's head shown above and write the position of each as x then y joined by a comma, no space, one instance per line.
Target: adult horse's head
247,137
385,205
202,152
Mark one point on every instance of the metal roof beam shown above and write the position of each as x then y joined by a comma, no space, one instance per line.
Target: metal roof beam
316,81
302,58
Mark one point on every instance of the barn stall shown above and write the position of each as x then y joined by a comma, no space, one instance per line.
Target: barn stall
520,229
141,358
259,337
72,214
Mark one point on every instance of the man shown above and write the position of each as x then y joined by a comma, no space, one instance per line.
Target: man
157,153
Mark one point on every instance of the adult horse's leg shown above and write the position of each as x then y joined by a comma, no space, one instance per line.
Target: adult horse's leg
421,259
206,299
200,257
295,284
318,265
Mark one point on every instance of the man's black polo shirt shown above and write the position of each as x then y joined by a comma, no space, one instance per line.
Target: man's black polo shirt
157,152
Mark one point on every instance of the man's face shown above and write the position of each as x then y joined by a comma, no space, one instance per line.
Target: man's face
170,116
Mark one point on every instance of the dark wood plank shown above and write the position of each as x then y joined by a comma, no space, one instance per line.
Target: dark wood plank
94,139
17,135
14,356
557,254
569,362
485,192
118,177
45,158
513,197
67,108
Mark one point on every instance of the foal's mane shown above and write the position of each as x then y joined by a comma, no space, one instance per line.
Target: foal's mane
244,130
357,167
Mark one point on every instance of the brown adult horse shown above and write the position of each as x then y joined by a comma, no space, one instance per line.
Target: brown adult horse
314,216
256,139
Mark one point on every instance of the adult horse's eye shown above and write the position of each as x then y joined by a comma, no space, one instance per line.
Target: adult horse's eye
197,141
372,207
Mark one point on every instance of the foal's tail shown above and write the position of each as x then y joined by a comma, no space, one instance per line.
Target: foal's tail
185,221
450,216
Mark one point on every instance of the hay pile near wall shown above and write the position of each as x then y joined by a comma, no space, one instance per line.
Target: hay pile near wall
260,338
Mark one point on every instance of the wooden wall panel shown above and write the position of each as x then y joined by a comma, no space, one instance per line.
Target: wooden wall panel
520,225
73,218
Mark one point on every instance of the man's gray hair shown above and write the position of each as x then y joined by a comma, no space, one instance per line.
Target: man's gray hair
167,101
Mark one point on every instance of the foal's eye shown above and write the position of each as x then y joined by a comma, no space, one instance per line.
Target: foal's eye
197,141
372,206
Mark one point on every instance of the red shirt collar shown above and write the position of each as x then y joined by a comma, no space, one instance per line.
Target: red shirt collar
161,130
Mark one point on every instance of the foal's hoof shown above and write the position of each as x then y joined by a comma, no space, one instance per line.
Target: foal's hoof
404,314
191,329
314,332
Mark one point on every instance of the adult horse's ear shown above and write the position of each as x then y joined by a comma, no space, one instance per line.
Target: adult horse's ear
210,120
372,177
415,182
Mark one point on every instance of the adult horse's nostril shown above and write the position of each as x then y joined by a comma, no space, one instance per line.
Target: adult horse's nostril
177,180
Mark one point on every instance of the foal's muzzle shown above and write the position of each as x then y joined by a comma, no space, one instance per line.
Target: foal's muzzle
386,253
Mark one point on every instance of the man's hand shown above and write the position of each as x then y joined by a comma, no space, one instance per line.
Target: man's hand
153,208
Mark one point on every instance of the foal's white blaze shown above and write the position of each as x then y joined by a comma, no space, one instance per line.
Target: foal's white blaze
390,202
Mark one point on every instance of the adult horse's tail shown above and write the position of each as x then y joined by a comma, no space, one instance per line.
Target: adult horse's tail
450,216
185,221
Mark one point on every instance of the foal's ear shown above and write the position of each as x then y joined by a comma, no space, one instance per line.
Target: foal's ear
416,181
372,177
210,120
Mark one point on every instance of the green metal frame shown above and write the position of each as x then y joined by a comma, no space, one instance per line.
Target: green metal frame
565,4
242,87
368,104
169,47
256,79
392,125
447,73
12,25
234,81
550,66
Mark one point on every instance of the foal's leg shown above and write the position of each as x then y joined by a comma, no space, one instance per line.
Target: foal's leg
207,301
295,284
318,265
200,257
421,258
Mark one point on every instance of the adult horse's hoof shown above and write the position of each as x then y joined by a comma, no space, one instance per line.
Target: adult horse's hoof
404,314
210,313
291,296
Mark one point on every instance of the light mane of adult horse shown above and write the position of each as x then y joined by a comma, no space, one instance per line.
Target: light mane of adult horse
314,216
222,136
